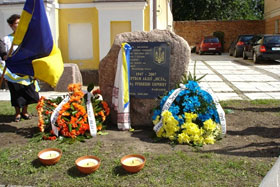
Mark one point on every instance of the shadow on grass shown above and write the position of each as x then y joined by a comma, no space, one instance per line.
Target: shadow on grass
7,128
6,118
26,132
263,149
119,171
36,163
267,149
255,109
264,132
74,172
145,133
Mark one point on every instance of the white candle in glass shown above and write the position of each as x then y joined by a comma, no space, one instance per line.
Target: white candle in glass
133,161
49,155
89,162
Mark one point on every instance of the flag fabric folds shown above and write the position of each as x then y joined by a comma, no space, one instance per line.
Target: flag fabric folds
120,96
11,77
37,54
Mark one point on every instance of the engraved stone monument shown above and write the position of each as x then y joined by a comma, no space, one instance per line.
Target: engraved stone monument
158,60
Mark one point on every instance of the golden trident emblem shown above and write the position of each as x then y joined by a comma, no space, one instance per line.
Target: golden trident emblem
159,55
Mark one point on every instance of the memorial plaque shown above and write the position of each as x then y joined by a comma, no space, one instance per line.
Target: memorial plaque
149,69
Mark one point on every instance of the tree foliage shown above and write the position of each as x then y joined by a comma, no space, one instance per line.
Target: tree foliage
217,9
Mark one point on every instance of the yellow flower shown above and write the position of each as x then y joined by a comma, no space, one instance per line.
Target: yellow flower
190,117
201,131
217,131
198,140
159,133
209,125
209,140
183,138
172,138
192,129
170,124
156,120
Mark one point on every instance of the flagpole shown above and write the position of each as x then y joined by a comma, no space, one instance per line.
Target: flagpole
5,67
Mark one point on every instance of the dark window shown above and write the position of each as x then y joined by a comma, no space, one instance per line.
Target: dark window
211,40
245,38
272,40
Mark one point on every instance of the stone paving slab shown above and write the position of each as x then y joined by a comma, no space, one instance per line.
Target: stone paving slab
240,79
272,178
227,96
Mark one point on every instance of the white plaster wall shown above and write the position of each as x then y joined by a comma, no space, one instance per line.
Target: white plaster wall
50,11
108,12
169,17
7,10
151,15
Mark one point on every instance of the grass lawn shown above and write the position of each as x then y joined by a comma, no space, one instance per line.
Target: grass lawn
167,164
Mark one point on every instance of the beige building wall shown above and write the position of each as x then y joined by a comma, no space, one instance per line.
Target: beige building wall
147,16
118,27
74,1
272,16
164,15
84,39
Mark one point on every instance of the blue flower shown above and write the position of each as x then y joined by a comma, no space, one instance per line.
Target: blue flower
195,101
206,96
204,117
180,120
192,99
186,98
156,113
163,100
188,106
193,86
174,110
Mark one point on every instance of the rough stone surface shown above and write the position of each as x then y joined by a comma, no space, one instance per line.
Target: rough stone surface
141,109
90,76
71,74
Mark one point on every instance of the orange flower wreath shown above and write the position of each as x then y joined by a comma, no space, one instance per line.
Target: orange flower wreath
72,120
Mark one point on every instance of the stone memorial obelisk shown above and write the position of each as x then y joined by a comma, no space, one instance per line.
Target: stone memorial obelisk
178,60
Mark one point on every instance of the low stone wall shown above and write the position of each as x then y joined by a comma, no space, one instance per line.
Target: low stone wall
193,31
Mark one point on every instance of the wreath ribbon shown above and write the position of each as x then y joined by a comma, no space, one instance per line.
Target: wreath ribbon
55,114
219,108
167,105
91,117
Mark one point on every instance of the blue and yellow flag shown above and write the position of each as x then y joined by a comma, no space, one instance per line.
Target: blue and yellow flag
37,54
126,72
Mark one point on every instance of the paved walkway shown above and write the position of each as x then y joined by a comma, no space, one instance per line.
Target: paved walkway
235,78
228,77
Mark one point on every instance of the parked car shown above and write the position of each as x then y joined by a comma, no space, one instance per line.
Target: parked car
209,44
263,47
248,47
236,47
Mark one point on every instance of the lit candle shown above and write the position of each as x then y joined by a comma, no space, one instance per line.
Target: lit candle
49,155
89,162
133,161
